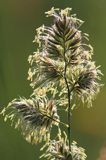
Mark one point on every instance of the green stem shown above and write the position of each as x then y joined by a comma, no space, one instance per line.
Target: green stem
69,107
69,100
69,91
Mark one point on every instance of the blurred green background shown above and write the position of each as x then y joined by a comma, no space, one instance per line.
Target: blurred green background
18,20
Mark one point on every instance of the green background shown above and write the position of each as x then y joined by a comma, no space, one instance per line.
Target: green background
18,20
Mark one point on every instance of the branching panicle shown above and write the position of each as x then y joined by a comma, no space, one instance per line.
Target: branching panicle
61,71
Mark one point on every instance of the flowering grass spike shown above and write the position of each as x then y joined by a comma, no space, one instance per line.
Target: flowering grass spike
61,70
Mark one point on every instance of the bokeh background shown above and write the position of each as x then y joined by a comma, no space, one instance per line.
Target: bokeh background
18,20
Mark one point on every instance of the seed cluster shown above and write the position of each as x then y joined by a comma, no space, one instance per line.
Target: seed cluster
63,42
59,150
34,117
